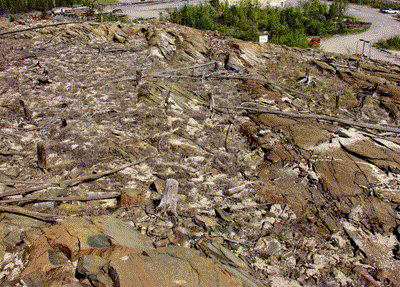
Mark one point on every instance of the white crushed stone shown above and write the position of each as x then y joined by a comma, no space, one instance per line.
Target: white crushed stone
277,281
11,266
343,279
356,213
354,136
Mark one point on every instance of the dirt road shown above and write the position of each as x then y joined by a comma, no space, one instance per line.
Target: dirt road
383,26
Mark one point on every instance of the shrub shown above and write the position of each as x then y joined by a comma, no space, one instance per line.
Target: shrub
294,38
392,43
246,21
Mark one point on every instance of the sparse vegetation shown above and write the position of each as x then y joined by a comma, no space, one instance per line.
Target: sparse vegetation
109,17
289,26
392,43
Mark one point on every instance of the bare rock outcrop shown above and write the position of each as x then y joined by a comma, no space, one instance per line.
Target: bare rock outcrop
286,160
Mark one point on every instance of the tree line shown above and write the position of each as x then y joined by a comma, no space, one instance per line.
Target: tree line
23,6
290,25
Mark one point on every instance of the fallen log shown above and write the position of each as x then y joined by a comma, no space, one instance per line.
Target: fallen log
38,27
316,117
33,214
60,198
72,182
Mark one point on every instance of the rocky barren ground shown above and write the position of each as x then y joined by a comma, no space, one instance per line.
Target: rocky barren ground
287,160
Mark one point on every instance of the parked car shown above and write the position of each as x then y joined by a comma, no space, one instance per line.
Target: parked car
389,10
314,42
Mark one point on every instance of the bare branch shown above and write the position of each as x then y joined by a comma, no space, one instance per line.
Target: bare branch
37,27
33,214
74,181
69,198
317,117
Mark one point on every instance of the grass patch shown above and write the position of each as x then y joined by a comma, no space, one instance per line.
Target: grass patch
354,26
110,17
392,43
357,30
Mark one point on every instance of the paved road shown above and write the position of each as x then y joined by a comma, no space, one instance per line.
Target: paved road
383,26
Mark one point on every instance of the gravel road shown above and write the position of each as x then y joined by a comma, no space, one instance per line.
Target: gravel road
383,26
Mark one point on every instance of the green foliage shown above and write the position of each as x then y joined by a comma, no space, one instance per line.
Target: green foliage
214,3
289,26
337,9
294,38
392,43
22,6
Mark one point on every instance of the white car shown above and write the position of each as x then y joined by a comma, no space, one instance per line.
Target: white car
389,11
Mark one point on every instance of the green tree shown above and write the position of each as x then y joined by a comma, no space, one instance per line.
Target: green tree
337,10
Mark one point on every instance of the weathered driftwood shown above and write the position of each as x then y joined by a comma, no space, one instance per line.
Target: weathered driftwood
337,102
72,182
27,112
317,117
11,153
163,74
138,78
211,103
169,199
14,182
226,137
226,238
167,205
27,190
91,177
196,143
186,68
167,103
42,157
308,80
33,214
119,50
60,198
37,27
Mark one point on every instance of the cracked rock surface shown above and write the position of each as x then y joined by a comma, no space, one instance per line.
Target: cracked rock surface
281,181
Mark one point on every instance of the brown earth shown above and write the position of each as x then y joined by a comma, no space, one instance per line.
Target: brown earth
287,160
